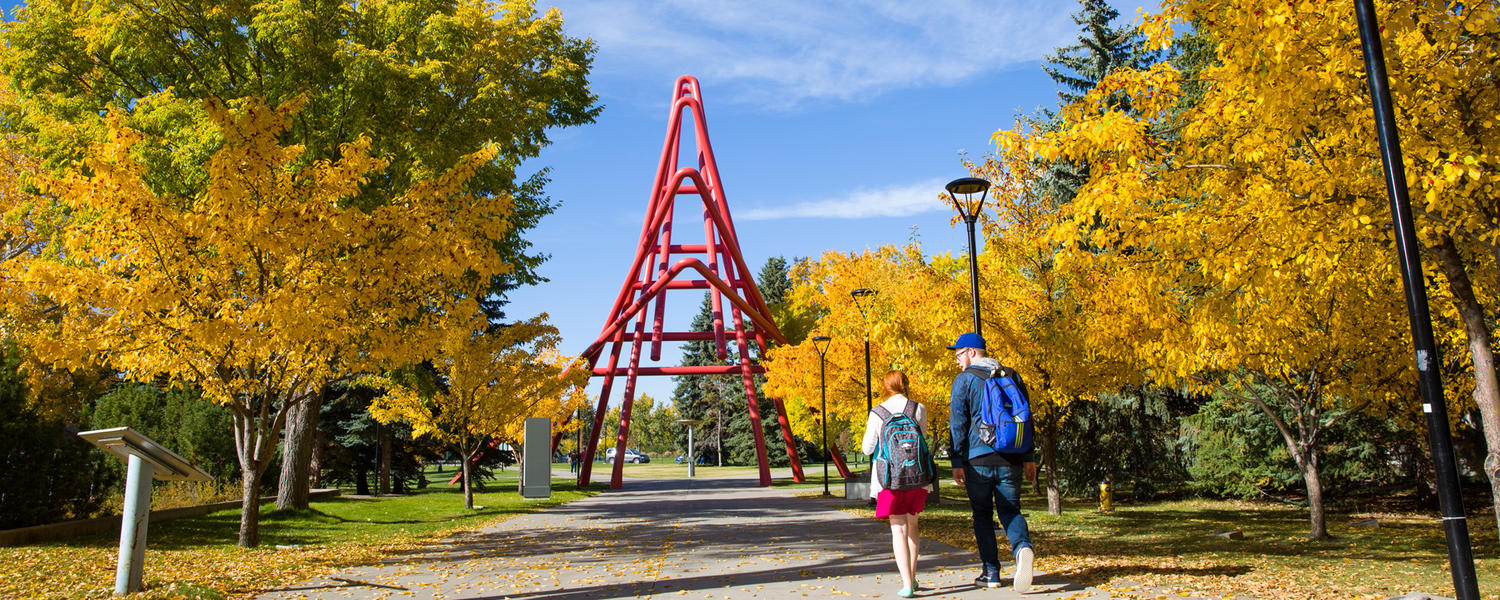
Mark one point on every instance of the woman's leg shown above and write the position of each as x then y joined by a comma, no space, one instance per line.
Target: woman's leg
900,547
913,543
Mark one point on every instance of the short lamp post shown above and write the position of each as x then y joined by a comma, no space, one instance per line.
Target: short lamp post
692,461
963,191
820,343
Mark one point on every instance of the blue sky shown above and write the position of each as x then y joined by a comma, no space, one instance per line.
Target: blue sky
835,126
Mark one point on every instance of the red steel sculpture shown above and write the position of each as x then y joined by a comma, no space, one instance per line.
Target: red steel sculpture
723,273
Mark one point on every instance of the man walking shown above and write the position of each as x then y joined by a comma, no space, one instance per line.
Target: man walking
992,479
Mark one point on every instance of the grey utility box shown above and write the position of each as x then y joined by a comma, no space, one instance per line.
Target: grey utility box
857,486
536,459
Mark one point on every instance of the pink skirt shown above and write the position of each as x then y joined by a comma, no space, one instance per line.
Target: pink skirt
900,502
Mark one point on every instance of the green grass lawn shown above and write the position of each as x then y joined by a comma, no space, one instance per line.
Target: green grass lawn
1149,549
198,557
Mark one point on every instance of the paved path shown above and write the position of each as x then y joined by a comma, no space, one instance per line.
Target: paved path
702,538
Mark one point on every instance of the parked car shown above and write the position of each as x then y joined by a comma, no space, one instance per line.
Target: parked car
631,456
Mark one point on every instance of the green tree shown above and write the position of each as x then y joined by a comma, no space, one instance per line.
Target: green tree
653,426
701,396
1130,439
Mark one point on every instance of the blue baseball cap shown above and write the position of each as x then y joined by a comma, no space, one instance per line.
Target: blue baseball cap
968,340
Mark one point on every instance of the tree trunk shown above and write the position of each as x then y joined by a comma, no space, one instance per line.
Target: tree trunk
256,428
1049,459
1313,478
1303,448
315,467
384,436
362,481
468,483
249,507
296,453
1482,355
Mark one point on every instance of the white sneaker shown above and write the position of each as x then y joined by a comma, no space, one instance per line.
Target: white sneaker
1022,581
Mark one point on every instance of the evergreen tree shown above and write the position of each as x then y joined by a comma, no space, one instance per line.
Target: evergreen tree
1138,431
703,396
1102,47
350,447
178,418
720,399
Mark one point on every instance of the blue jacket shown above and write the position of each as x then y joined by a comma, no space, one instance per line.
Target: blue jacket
963,415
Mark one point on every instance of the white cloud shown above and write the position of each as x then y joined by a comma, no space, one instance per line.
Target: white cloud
894,201
789,52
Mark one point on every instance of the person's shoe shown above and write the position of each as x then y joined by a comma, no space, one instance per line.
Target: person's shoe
906,592
987,579
1024,560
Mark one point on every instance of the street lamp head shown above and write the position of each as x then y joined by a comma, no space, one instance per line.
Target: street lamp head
963,191
862,293
820,343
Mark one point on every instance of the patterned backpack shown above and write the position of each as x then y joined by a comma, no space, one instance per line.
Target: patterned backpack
902,459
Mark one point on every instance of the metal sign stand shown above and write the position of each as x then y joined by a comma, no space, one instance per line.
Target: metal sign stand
145,460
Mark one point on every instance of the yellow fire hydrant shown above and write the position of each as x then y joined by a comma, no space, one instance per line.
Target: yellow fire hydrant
1106,499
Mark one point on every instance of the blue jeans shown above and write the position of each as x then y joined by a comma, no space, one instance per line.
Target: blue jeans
996,490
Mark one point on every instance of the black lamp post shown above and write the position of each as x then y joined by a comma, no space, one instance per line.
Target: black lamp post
820,343
858,294
1439,438
968,208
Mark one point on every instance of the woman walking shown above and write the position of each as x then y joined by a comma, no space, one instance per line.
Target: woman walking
899,506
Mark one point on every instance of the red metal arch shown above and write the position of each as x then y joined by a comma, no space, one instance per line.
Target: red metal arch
723,272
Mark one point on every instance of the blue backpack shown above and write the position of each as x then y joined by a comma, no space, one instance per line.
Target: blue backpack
1004,413
902,460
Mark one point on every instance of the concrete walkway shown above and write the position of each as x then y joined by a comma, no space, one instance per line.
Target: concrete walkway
701,538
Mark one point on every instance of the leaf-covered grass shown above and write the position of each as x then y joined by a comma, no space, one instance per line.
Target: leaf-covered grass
1150,549
197,557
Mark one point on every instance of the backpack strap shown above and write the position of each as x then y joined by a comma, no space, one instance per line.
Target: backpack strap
910,409
880,411
978,372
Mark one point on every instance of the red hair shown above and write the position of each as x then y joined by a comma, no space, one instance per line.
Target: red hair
895,383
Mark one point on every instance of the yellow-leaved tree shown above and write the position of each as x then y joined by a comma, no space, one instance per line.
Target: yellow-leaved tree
908,323
265,285
490,379
1241,216
1035,313
1043,314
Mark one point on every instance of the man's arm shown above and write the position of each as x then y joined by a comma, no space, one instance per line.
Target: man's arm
958,428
